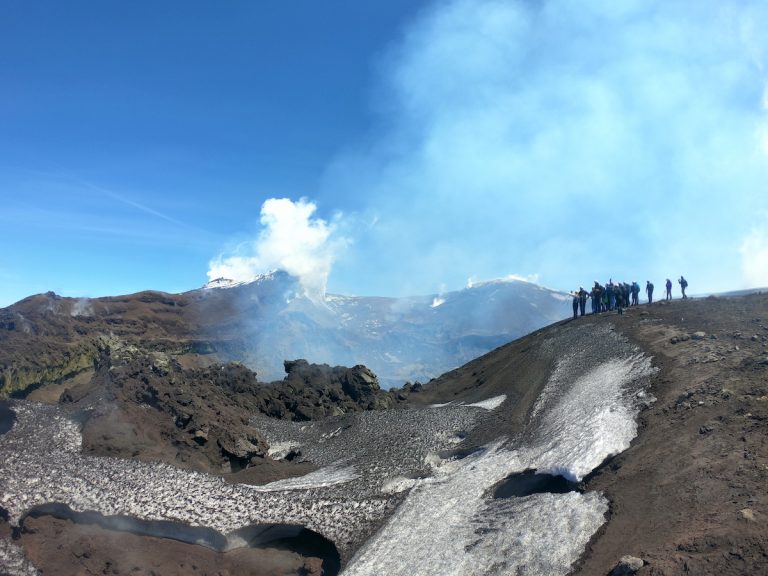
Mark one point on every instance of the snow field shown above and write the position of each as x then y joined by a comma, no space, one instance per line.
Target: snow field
449,524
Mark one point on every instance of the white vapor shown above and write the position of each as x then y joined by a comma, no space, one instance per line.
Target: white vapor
754,258
291,240
574,140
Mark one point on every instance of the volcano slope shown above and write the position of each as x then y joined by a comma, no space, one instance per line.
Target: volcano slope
687,496
690,496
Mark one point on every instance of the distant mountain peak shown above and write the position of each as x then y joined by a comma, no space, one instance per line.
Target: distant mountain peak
511,279
221,283
271,276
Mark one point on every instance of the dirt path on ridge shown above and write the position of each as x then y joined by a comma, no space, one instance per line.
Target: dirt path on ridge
690,496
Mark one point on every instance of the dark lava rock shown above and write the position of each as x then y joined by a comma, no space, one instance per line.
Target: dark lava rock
627,566
148,406
7,417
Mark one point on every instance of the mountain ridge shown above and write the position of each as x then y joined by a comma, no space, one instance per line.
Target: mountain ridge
265,322
686,495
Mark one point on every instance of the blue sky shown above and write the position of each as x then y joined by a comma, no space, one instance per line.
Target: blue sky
381,148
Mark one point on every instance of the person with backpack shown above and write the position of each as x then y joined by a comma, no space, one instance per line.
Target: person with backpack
583,294
575,296
649,291
669,289
635,289
683,285
596,295
610,288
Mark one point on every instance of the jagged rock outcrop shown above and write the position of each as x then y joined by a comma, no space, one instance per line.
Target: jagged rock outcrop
148,406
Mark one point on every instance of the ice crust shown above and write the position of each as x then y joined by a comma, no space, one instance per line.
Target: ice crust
387,491
450,525
588,420
323,478
41,462
13,562
488,404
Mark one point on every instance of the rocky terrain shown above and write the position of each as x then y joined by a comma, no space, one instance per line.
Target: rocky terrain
156,410
690,496
687,496
116,357
50,339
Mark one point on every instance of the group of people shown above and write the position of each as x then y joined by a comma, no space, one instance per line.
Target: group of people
618,295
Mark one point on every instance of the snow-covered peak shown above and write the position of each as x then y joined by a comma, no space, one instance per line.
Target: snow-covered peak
272,276
222,283
518,280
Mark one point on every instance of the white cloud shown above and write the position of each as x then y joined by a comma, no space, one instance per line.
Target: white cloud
754,258
291,240
578,140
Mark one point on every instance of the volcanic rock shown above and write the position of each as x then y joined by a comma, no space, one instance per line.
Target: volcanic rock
627,566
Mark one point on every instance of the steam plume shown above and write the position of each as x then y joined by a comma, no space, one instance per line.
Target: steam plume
564,140
754,258
291,240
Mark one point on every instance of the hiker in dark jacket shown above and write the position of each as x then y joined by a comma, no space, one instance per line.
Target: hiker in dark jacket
610,288
683,285
620,298
649,291
597,297
583,294
668,286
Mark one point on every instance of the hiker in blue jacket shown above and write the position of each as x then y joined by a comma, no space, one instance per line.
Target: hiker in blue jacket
649,291
583,294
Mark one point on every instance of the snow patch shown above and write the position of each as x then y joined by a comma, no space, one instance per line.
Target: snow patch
589,420
448,523
448,526
329,476
279,450
222,283
398,484
489,404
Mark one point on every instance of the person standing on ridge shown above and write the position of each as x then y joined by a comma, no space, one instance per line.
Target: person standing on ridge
597,297
611,289
582,300
593,298
683,285
649,291
668,286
